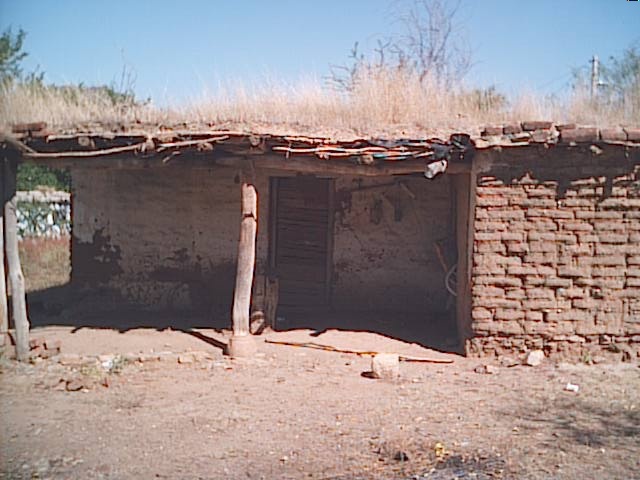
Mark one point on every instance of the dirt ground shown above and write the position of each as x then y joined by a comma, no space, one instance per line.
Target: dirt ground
306,413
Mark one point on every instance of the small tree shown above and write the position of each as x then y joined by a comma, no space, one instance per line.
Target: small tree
11,55
430,46
621,78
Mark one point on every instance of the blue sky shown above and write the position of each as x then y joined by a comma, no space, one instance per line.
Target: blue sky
176,50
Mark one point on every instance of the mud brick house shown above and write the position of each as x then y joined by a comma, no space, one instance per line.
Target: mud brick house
525,236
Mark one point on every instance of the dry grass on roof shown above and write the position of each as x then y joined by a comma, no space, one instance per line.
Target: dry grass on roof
383,103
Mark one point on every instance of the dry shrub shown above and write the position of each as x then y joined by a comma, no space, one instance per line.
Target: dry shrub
383,102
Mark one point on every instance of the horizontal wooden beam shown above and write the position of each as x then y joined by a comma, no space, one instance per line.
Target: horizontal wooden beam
226,158
334,167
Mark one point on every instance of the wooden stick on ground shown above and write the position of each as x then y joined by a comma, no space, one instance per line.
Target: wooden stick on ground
330,348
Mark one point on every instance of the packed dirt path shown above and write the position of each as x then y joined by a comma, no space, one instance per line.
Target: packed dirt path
305,413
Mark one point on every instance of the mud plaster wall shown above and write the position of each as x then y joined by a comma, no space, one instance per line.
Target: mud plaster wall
384,255
164,238
556,262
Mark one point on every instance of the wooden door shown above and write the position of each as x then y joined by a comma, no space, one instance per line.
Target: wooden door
301,244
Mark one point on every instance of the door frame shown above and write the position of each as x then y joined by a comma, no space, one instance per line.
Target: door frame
273,230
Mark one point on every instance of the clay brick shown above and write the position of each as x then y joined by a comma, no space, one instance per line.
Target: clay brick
570,315
628,214
634,238
512,236
510,328
573,292
533,281
514,128
532,125
613,249
541,258
610,226
541,192
521,270
545,270
541,304
604,271
543,247
541,225
610,214
489,181
545,236
632,282
576,226
496,302
487,291
549,213
610,283
515,293
584,303
576,249
487,236
584,281
633,260
566,237
488,226
536,203
613,237
500,191
517,247
499,214
633,272
489,269
505,314
489,131
613,135
499,281
576,202
490,247
633,134
533,316
590,192
540,293
491,201
609,260
495,259
614,318
587,238
479,313
557,282
584,134
573,272
620,203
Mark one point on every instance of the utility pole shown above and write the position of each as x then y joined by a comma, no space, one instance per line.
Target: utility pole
595,81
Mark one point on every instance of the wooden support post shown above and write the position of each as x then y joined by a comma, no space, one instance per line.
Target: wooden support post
242,344
4,309
16,278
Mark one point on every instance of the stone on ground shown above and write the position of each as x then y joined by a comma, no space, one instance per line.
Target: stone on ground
385,366
534,358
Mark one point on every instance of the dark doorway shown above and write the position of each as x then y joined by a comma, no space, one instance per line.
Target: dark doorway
300,251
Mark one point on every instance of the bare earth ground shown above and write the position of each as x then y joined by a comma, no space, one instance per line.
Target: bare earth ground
299,412
304,413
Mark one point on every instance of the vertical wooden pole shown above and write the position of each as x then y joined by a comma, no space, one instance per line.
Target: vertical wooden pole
242,344
16,278
4,310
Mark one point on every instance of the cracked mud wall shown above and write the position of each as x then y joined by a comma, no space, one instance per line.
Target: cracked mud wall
162,238
384,247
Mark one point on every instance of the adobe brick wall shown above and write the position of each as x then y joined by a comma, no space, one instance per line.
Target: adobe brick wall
556,253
